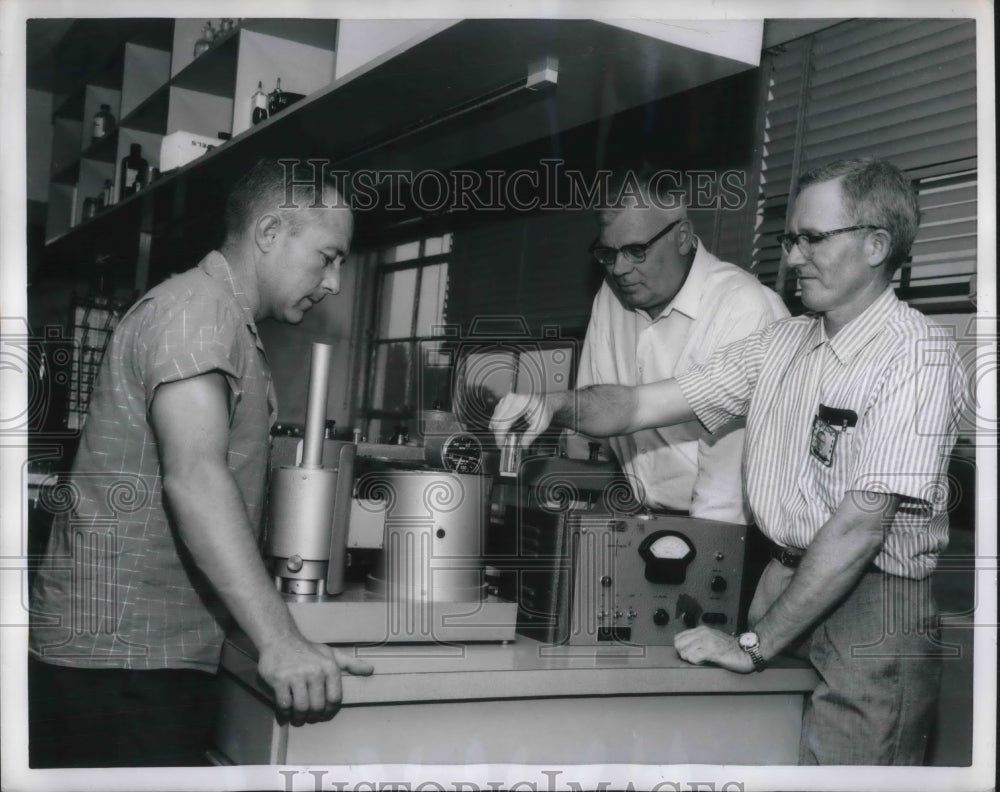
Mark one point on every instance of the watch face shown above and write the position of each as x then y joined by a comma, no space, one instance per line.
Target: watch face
748,640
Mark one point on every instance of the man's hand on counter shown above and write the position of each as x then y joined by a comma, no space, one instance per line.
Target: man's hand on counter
190,418
305,678
706,645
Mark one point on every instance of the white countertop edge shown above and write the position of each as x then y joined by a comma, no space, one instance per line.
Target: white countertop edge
438,679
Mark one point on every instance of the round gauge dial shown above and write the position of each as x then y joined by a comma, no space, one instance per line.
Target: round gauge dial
670,546
462,453
667,555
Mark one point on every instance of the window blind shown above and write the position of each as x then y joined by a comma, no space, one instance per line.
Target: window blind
903,90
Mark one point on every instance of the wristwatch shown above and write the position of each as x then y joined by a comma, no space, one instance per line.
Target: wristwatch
750,643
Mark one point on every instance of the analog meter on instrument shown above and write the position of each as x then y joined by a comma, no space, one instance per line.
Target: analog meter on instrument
667,555
462,453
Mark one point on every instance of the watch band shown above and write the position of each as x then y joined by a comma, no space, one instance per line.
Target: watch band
758,660
759,663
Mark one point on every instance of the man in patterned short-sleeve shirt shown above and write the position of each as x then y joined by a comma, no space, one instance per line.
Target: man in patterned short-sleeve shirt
851,414
157,551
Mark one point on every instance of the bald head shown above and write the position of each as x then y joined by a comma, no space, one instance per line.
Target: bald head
645,241
643,202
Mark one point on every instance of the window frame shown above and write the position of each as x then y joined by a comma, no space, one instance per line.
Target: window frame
370,414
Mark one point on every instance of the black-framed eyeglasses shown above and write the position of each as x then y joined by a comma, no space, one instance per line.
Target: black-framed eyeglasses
805,241
636,252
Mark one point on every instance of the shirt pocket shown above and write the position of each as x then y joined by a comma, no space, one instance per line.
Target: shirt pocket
827,472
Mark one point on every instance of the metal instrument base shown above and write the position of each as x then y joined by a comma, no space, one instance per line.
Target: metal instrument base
360,616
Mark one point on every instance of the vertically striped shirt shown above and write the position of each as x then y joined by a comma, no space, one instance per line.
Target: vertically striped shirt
890,368
117,588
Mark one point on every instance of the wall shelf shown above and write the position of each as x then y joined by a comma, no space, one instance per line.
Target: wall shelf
154,33
68,175
111,75
399,104
214,71
151,115
320,33
143,70
71,109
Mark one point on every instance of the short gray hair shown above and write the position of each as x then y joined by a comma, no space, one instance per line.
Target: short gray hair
878,193
262,190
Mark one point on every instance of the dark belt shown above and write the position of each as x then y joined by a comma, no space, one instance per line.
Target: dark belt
791,557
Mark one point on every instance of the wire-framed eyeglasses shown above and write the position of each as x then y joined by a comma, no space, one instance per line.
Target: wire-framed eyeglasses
807,240
635,252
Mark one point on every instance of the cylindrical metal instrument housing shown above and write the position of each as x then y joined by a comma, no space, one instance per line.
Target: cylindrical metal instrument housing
434,529
298,541
309,518
310,505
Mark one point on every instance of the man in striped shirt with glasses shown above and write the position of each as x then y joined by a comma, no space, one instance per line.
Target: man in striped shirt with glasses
851,413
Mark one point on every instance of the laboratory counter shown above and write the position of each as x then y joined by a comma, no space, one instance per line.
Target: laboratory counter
523,702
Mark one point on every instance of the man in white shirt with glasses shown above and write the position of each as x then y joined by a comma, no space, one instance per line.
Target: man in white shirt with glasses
667,304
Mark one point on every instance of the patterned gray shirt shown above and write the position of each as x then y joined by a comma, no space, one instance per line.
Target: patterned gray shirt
117,589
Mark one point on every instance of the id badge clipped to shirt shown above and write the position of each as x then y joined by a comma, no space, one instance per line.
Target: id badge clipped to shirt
828,424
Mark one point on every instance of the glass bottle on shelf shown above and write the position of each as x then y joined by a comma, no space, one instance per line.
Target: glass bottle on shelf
104,123
148,175
107,195
202,45
258,104
132,170
275,99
